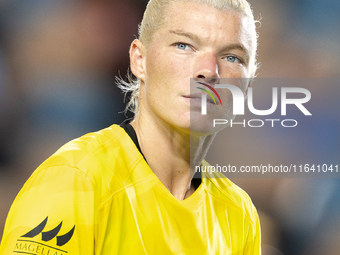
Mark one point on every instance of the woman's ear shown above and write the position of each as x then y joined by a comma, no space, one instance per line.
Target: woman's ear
137,51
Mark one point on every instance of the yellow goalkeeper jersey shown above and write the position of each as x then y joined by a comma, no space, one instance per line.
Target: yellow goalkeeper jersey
97,195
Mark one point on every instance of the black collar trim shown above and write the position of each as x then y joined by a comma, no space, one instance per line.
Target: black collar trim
132,133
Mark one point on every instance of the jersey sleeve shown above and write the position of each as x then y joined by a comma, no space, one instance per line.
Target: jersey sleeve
253,245
54,213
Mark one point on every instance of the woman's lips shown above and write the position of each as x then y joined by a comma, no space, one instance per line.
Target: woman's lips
196,100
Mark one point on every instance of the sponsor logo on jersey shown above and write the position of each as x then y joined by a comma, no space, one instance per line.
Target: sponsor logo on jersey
50,242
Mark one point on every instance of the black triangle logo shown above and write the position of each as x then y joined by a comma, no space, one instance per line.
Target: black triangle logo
49,235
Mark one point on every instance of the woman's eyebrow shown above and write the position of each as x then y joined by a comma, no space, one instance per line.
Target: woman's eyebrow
190,35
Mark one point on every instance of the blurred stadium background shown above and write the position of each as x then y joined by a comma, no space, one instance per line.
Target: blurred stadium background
58,63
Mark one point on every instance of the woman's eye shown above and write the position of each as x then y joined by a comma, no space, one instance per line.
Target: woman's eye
233,59
182,46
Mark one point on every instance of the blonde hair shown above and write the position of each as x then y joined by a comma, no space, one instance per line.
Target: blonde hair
153,19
